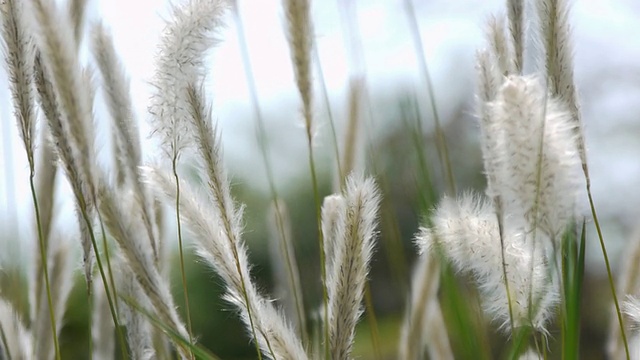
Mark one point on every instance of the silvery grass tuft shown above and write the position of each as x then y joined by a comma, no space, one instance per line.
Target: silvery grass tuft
509,240
466,230
72,131
353,247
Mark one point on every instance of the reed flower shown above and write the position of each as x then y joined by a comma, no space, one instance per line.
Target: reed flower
228,257
354,241
68,108
466,231
535,154
20,51
186,38
300,32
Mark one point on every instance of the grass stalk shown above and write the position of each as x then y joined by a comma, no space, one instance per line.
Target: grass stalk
608,266
85,217
43,260
112,283
323,265
174,164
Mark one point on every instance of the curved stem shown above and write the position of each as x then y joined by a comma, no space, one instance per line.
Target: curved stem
323,265
85,217
45,267
609,275
182,271
112,283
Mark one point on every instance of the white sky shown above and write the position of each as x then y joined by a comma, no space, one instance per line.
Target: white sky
451,30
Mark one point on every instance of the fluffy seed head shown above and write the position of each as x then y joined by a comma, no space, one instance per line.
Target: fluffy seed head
535,154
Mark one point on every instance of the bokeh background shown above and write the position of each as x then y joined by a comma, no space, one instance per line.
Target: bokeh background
369,42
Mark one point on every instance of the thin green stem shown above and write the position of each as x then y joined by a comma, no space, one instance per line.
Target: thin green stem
112,282
608,266
90,327
323,267
180,248
85,217
504,263
43,262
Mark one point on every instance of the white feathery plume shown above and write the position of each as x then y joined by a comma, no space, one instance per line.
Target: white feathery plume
354,242
19,56
556,37
466,231
553,16
186,38
300,36
116,89
536,156
225,252
15,341
489,80
77,13
56,44
500,44
130,239
332,208
515,11
61,83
